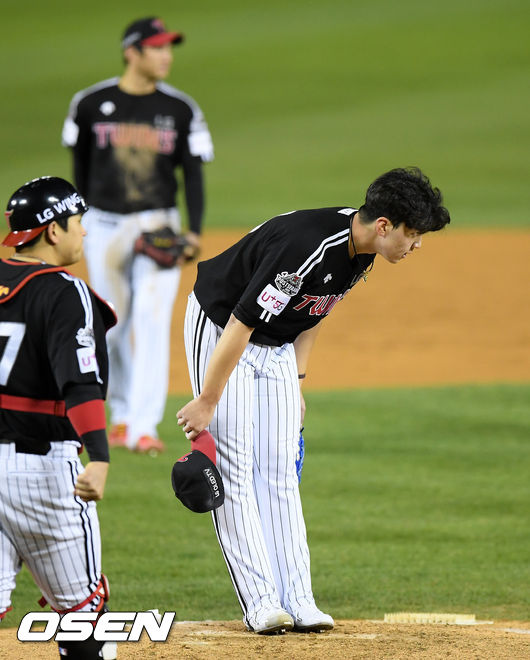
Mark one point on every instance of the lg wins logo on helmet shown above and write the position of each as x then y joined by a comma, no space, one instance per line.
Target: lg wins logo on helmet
71,203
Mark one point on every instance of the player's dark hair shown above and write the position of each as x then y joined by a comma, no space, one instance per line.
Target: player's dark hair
62,222
405,195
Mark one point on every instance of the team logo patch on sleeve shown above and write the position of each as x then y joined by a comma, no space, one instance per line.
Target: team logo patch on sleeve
85,337
288,283
87,360
272,300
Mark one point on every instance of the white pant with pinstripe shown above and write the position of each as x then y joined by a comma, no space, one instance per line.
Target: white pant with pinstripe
256,426
143,294
45,526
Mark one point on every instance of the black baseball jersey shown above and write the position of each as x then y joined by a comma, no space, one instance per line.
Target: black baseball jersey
52,348
126,147
284,276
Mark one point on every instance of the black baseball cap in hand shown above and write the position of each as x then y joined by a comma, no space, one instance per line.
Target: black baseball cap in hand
149,32
197,482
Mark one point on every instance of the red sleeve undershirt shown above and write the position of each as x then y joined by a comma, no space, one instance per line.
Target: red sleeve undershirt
88,420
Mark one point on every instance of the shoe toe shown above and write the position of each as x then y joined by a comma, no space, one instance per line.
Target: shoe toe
273,623
313,621
150,445
117,436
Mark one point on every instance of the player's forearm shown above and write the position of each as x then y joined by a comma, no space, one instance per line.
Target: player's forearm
303,345
194,187
197,414
226,355
86,412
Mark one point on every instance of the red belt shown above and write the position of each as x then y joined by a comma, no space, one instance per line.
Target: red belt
24,404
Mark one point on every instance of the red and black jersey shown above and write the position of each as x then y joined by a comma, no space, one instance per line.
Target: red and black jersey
126,147
52,353
284,276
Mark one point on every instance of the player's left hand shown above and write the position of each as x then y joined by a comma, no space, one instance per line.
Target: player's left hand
90,484
300,455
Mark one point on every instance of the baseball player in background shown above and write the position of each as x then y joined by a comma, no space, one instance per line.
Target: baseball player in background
250,325
127,136
53,381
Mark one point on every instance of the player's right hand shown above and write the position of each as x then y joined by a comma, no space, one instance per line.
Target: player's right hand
90,484
195,416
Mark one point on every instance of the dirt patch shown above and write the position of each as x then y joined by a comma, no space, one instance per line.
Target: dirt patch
454,312
366,640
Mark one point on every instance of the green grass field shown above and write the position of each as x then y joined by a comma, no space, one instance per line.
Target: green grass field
307,102
415,500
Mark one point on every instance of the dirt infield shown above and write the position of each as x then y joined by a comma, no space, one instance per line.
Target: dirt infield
362,640
454,312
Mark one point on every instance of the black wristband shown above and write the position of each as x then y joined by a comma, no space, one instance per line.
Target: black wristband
96,445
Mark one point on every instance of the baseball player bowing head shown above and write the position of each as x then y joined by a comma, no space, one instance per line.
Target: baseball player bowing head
53,380
250,325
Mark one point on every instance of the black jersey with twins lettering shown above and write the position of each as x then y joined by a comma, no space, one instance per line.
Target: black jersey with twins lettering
126,147
52,349
284,276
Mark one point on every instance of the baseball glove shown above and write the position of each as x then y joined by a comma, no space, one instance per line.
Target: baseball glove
300,456
165,247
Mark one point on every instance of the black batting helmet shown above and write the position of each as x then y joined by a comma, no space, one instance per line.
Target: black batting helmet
38,203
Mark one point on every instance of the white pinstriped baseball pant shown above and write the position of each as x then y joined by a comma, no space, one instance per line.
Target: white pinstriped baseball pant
256,425
43,525
143,294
